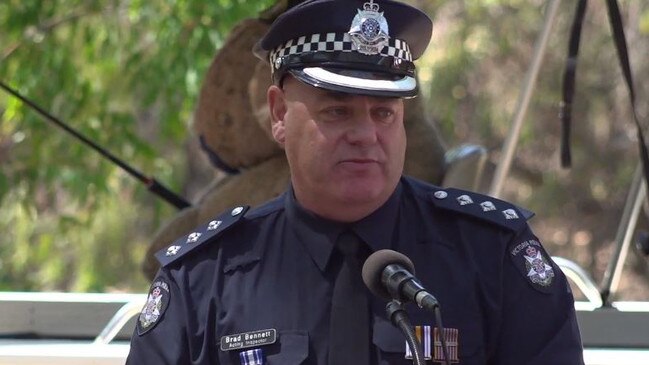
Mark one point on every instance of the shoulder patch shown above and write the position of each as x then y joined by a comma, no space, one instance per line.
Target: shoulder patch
481,206
156,304
190,242
534,264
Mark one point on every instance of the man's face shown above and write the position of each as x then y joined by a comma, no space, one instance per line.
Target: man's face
346,152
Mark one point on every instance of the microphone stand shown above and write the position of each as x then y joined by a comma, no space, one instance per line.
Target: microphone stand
399,318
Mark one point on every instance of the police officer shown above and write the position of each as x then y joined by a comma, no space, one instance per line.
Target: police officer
263,286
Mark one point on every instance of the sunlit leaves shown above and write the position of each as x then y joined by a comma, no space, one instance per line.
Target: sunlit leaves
125,74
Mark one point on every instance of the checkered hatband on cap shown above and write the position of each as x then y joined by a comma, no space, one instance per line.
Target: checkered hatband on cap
333,42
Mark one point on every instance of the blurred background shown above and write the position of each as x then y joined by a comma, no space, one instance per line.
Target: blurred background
127,74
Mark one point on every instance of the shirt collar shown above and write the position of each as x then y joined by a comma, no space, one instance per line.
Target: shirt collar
319,235
316,233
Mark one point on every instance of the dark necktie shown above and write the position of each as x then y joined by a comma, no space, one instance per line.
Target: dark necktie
349,331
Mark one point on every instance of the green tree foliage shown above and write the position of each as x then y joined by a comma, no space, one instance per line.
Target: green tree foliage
126,74
480,55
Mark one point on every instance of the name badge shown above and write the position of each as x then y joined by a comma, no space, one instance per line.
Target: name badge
248,339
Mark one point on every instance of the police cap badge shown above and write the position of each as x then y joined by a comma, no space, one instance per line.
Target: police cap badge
361,47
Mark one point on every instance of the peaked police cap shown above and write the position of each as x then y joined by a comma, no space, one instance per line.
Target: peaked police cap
361,47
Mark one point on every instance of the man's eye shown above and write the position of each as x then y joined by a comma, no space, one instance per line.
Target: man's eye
384,114
336,112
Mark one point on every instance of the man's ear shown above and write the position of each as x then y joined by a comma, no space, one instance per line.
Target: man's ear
277,106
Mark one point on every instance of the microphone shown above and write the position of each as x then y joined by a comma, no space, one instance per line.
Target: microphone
389,274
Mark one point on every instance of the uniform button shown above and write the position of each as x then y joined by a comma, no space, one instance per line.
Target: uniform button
236,211
441,194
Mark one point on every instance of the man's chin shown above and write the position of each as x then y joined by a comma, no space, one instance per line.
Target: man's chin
362,190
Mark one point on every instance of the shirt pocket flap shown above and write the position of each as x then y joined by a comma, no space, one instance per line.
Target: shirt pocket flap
387,337
463,344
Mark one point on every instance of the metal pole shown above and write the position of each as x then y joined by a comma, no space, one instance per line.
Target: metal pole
530,81
628,222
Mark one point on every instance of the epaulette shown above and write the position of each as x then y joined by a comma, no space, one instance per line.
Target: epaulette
483,207
200,236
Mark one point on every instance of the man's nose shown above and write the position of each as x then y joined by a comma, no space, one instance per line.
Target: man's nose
362,129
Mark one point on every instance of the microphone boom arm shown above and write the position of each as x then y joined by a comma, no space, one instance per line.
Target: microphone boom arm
403,286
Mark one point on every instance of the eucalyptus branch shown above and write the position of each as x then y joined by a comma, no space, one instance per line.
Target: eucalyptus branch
9,50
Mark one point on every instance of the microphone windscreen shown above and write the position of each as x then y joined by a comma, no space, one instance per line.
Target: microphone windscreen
376,263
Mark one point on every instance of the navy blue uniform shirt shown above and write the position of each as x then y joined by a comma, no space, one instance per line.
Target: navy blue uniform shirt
265,273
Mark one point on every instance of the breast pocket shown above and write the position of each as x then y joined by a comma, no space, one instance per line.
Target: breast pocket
390,343
291,348
464,345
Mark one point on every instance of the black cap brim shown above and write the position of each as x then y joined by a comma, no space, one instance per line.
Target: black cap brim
357,81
